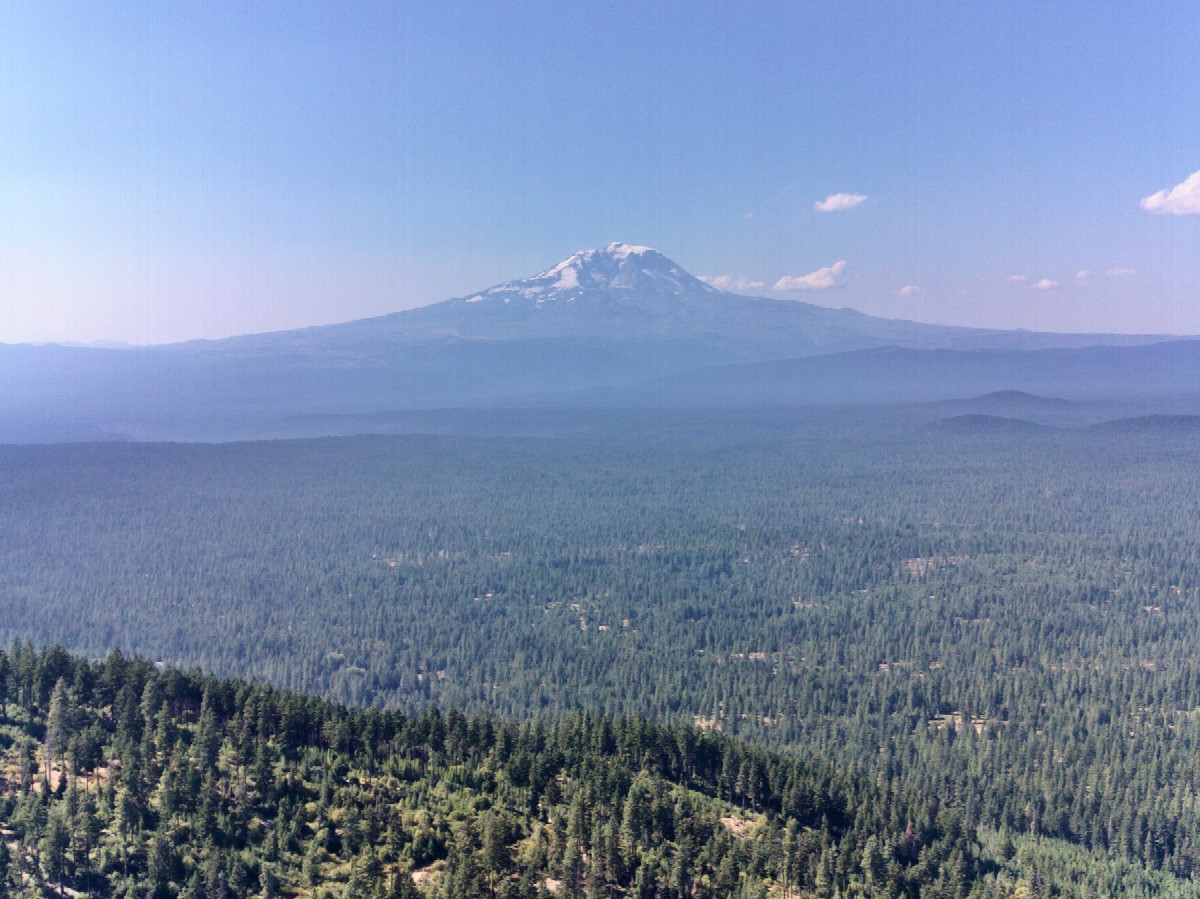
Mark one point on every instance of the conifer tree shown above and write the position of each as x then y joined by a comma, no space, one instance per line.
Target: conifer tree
59,727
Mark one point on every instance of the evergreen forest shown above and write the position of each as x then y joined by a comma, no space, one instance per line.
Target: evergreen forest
123,779
972,643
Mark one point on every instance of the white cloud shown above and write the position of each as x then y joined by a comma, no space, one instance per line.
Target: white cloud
1120,272
839,202
818,280
1016,279
1182,199
909,290
1046,284
724,282
748,216
1082,274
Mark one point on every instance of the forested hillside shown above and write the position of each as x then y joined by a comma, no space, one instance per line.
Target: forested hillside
122,779
1000,622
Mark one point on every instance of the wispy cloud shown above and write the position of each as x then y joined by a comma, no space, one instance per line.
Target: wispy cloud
1082,274
909,290
839,202
818,280
1182,199
1120,272
1047,284
1016,279
725,282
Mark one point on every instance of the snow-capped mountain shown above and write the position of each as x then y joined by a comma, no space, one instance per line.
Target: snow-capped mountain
635,293
626,292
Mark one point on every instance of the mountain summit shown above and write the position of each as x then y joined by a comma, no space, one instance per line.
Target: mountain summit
621,292
622,267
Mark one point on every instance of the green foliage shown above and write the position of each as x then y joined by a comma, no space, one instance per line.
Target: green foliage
1000,629
478,807
1024,866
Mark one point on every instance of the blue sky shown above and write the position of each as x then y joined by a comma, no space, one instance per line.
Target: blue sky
179,170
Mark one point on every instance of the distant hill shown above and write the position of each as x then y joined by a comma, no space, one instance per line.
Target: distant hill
1014,403
1153,424
621,325
985,425
901,374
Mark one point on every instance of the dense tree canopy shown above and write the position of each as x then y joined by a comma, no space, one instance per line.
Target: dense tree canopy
1002,625
131,780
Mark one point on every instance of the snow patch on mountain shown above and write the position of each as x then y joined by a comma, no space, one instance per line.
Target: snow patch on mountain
624,250
568,278
625,268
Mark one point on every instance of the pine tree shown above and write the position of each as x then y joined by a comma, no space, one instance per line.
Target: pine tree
54,847
5,678
60,725
158,866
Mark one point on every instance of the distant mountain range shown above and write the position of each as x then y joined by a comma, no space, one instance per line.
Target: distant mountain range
621,326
